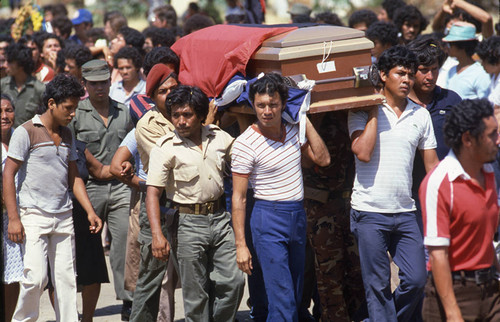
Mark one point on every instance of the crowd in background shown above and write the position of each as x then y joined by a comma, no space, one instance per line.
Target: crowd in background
459,57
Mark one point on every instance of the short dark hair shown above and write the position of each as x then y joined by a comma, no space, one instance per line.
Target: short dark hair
364,15
191,96
21,54
163,37
384,32
129,53
116,20
63,24
42,37
62,87
466,116
397,56
469,46
390,6
269,84
60,62
133,37
167,13
79,53
149,31
196,22
7,97
428,50
329,18
57,10
407,14
6,38
236,19
159,55
489,50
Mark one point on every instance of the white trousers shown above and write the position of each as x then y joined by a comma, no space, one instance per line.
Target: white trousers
48,237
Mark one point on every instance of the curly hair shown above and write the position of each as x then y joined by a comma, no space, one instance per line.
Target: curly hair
364,15
63,24
428,49
466,116
129,53
40,39
163,37
397,56
79,53
269,84
62,87
132,37
197,22
407,14
20,54
329,18
159,55
489,50
384,32
390,6
188,95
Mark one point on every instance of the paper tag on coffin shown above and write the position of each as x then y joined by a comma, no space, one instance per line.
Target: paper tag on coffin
322,53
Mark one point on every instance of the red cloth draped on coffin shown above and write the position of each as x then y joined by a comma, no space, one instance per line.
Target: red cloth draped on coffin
211,56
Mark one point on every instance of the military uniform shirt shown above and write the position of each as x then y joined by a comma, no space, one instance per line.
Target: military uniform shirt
191,175
102,141
152,126
28,101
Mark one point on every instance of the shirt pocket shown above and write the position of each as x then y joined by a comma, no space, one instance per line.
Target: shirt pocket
187,180
92,139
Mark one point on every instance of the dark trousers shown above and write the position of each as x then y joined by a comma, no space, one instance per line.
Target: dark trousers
279,236
476,302
400,235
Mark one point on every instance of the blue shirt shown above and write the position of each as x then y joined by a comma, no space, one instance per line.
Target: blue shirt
444,101
117,92
130,142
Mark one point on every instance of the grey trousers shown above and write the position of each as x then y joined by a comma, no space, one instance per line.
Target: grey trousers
111,201
212,284
150,296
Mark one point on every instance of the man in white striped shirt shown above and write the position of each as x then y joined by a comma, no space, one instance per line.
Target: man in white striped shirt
268,155
383,218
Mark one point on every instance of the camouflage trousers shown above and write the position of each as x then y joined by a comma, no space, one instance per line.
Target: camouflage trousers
338,270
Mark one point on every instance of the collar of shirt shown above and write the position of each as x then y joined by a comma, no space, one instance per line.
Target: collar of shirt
86,105
160,119
456,170
36,120
30,81
206,131
410,106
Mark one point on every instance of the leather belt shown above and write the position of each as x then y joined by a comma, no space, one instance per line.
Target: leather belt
205,208
480,276
324,195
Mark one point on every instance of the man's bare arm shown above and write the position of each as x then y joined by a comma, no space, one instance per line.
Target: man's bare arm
243,257
15,229
80,192
441,274
160,246
363,142
430,159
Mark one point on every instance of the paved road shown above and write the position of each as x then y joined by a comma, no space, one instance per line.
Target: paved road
108,308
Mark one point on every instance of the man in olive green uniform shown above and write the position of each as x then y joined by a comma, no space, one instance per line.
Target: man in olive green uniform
102,124
188,164
24,89
327,203
149,293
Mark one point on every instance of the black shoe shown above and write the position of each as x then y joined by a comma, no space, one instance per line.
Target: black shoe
126,310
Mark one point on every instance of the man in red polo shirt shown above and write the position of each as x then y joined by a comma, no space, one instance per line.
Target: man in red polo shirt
460,213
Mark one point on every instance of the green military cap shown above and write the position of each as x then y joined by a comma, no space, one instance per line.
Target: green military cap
96,70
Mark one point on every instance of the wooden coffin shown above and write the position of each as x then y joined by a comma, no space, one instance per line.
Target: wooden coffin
322,53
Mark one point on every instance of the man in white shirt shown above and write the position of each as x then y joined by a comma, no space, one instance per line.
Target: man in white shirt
383,218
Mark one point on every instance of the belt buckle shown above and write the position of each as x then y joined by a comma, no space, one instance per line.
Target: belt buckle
210,207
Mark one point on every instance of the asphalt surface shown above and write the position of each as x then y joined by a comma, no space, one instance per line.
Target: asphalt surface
109,308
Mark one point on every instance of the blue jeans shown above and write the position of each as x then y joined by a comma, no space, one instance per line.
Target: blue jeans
400,234
279,237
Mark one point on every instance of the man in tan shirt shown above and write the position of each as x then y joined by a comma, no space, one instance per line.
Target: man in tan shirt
189,163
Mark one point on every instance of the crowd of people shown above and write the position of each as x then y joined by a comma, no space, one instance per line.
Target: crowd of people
102,146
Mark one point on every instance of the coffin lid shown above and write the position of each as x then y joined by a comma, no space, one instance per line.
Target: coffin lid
312,35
